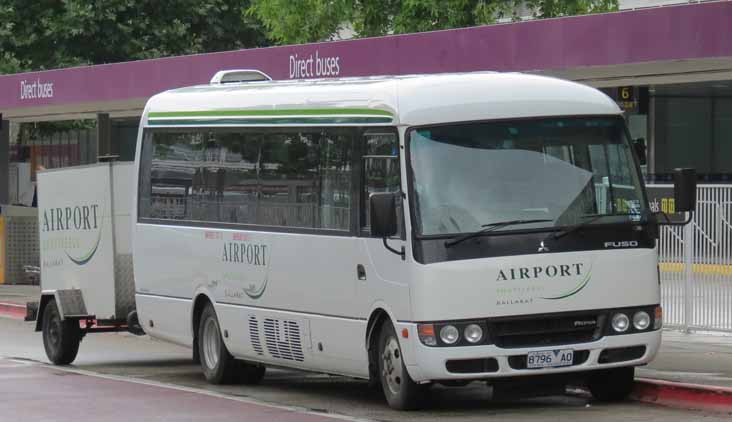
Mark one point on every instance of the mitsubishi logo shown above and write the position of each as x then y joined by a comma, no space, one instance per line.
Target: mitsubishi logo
542,248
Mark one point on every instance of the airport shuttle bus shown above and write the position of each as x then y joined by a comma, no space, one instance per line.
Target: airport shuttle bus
407,230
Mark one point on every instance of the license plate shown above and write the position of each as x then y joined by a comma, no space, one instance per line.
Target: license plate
549,358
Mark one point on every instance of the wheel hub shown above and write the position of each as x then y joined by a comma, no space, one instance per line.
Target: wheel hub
211,343
391,359
54,330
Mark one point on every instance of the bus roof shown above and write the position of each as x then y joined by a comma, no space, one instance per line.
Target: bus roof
412,100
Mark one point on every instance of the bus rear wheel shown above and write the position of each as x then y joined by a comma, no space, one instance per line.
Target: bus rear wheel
400,390
218,365
61,338
611,385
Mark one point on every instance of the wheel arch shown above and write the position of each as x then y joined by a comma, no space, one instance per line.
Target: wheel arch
45,298
378,315
199,303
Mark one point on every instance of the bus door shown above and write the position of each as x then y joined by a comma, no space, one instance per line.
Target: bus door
382,274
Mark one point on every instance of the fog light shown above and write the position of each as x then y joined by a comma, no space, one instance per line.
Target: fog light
426,334
658,318
473,333
620,323
449,334
641,320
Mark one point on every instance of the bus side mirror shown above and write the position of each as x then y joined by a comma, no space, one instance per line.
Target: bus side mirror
685,189
383,209
640,150
383,214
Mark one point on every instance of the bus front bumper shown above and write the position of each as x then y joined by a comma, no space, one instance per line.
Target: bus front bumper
426,363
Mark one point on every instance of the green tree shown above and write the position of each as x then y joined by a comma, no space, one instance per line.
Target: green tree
301,21
47,34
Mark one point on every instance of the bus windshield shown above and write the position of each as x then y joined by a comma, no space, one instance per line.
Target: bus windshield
559,171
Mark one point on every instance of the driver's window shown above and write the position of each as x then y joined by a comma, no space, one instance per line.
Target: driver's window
380,170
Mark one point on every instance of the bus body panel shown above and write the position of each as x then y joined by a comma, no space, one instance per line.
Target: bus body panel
161,317
430,362
536,284
292,285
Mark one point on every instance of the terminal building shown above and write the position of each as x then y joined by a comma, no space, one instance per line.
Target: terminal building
668,67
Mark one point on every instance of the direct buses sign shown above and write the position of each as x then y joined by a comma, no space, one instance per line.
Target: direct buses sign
31,90
314,66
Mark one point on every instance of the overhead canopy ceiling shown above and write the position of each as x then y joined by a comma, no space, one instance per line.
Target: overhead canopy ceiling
658,46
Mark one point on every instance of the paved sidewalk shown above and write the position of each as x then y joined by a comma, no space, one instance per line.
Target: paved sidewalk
13,299
692,358
19,294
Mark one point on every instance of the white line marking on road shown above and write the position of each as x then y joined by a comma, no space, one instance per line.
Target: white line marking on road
12,305
248,400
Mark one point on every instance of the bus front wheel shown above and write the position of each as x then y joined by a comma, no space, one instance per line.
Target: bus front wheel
611,385
400,390
61,338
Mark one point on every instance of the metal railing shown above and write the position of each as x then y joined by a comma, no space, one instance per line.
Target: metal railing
696,265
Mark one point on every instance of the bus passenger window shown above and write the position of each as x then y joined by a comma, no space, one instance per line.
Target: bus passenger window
270,177
380,169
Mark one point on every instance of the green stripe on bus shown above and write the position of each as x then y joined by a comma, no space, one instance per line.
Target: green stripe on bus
270,121
285,112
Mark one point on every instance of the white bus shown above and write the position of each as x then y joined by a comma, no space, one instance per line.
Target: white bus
407,230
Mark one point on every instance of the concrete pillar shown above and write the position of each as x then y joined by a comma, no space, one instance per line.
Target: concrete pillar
651,144
4,160
104,135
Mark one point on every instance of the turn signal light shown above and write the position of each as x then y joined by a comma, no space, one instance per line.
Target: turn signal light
658,318
426,334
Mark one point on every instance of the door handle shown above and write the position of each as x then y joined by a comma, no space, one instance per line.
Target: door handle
360,272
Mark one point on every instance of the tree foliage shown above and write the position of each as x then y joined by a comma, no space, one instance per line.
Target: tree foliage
47,34
301,21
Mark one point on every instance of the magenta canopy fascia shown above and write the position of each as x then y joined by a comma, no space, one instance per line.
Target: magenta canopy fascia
647,35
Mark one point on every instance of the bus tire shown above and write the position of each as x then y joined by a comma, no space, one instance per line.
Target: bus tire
400,391
218,366
612,385
61,339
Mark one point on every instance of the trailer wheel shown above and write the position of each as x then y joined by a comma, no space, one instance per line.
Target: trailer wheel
60,338
218,366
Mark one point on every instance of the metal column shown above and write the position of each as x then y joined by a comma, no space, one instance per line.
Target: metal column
104,135
689,276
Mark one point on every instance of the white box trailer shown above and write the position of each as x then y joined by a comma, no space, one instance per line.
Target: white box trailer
87,283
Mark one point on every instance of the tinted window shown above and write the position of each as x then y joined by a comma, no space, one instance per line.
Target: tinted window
380,167
273,177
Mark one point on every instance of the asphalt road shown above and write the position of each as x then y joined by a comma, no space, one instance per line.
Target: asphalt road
118,368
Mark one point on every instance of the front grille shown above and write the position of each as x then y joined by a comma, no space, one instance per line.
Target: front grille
519,361
471,366
546,330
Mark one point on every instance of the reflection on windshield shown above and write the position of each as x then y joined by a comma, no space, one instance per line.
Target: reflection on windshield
469,175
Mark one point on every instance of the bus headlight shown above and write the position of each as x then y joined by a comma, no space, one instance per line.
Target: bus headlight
449,334
473,333
620,322
641,320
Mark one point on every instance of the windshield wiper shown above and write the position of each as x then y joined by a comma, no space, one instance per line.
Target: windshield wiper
591,218
489,228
